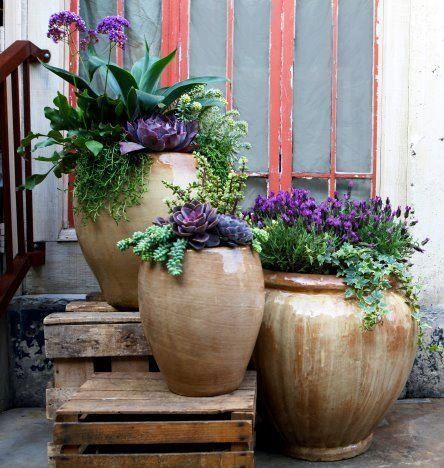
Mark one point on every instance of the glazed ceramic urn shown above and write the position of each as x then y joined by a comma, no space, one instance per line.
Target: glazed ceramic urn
117,271
203,325
326,383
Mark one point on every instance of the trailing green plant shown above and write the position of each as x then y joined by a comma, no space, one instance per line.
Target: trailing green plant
224,195
194,225
110,183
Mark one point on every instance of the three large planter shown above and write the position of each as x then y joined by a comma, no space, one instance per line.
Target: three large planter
203,325
117,271
325,382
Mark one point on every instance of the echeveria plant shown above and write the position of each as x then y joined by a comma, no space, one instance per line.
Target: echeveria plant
194,225
160,133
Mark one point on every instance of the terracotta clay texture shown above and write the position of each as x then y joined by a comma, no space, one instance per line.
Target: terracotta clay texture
203,325
325,383
117,271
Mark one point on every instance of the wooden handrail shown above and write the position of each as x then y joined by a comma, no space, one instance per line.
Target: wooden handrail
15,59
17,53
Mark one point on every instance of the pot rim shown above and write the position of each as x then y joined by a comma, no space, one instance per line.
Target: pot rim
302,281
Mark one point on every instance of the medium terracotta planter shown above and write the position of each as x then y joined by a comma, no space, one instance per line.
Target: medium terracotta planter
117,271
326,383
203,325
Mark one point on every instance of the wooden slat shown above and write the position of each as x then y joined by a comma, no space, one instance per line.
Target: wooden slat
72,372
89,306
170,460
152,432
84,318
95,340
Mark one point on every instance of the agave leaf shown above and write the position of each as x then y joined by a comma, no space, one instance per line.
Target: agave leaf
146,101
132,104
151,77
124,79
71,78
174,92
141,65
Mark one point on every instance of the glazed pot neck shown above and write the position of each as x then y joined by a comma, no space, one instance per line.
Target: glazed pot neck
302,282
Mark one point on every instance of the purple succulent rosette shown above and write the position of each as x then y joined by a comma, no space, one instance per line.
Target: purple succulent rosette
160,133
194,221
340,215
61,24
114,28
234,231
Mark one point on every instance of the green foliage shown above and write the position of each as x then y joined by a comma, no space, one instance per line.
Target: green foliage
224,195
295,249
158,244
110,183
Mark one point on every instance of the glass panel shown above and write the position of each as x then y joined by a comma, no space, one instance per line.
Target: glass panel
360,189
92,11
145,18
355,55
208,30
255,186
312,87
318,187
251,75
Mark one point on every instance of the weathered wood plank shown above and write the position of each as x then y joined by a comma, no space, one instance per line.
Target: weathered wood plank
89,306
153,432
56,397
170,460
72,372
95,340
85,318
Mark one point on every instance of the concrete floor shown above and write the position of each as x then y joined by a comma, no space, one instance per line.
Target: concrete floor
412,434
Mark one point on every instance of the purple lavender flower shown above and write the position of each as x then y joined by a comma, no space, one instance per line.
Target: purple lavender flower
114,26
61,24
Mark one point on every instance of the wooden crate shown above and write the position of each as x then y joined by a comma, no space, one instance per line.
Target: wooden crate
91,336
131,420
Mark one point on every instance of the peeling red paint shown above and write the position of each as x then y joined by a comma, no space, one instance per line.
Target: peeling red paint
334,96
120,7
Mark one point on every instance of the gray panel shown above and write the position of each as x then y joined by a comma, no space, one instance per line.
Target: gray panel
208,31
312,86
145,18
360,189
355,54
318,187
251,75
255,186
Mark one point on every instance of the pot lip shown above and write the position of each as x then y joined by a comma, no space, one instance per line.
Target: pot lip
302,281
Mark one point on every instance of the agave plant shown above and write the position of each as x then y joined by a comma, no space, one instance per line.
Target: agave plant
137,92
160,133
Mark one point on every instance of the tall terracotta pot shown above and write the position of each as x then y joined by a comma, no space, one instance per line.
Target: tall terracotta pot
326,383
117,271
203,325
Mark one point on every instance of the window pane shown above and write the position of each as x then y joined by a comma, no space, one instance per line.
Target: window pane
355,54
251,75
312,86
361,187
208,30
318,187
255,186
145,19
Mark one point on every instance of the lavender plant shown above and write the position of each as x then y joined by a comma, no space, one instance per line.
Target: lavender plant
193,225
366,242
